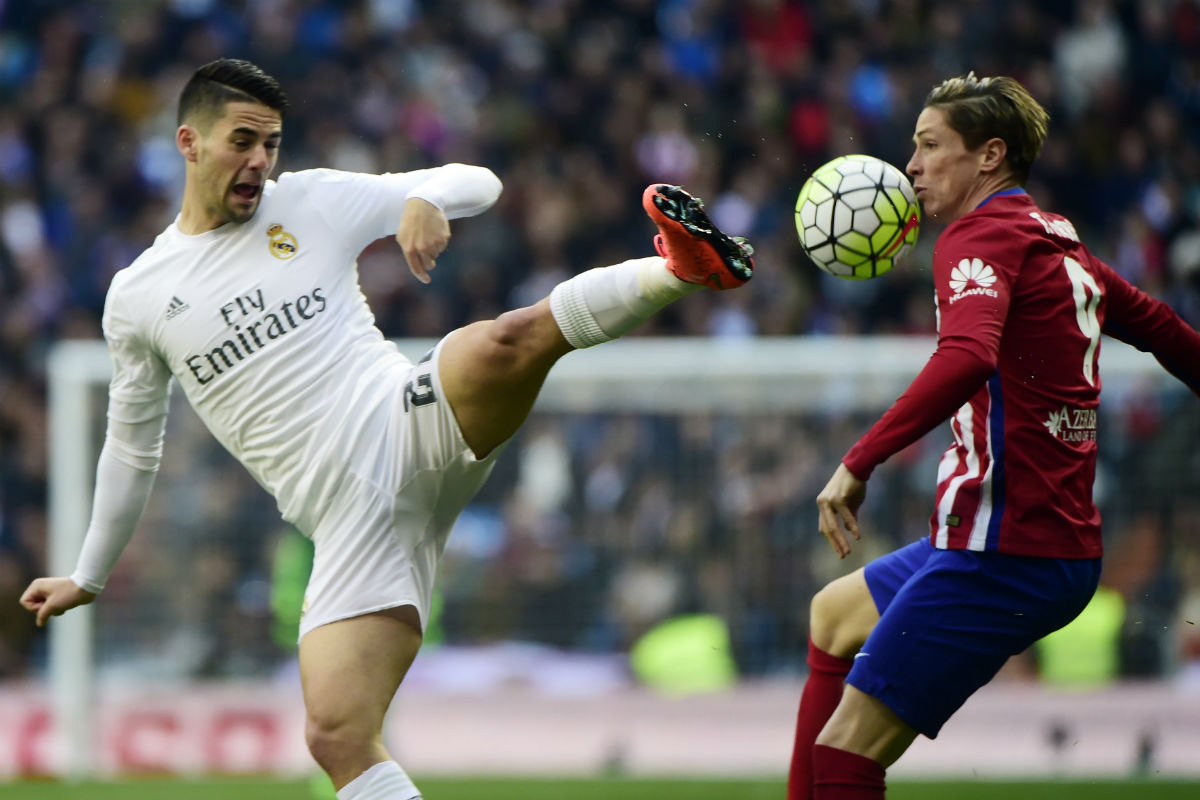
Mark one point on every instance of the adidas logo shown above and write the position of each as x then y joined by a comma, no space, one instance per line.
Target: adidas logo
176,307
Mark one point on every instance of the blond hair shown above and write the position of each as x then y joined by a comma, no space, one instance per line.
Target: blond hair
979,109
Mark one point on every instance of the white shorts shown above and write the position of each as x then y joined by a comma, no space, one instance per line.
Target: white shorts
379,540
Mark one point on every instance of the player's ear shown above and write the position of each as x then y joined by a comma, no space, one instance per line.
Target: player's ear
995,150
187,140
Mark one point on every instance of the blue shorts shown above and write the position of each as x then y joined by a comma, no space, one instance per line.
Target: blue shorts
949,619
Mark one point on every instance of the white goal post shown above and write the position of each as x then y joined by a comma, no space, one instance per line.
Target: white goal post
633,375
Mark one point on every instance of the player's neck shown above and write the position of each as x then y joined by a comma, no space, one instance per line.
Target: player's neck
194,223
195,217
986,189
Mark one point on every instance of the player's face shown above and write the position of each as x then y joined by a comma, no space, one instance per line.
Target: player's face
233,160
945,173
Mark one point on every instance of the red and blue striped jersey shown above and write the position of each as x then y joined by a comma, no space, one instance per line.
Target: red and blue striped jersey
1021,306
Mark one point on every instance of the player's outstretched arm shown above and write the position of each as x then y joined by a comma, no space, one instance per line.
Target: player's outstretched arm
837,505
434,196
50,597
1151,326
423,234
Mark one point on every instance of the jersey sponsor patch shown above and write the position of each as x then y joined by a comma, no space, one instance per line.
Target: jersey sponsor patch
972,277
250,327
1072,424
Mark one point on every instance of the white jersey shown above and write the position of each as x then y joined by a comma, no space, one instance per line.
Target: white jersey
265,328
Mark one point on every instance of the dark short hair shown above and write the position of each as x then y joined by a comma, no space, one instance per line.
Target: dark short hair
979,109
227,80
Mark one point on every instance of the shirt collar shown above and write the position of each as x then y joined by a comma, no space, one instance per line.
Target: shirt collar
1014,190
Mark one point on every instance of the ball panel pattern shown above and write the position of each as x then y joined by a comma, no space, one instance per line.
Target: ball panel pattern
857,216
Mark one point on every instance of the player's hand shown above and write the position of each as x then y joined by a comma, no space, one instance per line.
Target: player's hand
838,505
50,597
423,234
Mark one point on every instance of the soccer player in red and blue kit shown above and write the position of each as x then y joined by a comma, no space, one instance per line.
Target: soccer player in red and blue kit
1014,553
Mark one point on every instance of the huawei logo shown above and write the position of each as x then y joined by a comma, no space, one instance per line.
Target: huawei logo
971,271
972,277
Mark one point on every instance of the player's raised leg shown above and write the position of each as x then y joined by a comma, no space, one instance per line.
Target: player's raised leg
492,371
350,671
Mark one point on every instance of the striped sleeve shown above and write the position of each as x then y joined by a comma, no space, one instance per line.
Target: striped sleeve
951,377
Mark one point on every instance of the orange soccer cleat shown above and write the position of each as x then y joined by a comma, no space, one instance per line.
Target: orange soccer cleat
695,249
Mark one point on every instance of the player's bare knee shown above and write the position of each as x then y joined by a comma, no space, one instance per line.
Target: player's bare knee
519,340
335,745
823,618
518,328
506,336
841,617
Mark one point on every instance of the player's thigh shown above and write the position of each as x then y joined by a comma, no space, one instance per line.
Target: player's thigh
862,724
842,615
492,371
350,669
954,624
845,611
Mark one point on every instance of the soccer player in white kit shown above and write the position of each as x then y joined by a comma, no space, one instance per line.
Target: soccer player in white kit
250,300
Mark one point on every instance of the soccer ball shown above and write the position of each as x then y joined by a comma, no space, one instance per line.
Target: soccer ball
857,216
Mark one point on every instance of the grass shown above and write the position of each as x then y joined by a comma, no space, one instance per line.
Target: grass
595,789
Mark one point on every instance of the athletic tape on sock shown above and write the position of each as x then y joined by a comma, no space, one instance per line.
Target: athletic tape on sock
575,320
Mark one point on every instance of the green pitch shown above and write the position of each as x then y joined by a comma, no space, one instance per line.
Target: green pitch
601,789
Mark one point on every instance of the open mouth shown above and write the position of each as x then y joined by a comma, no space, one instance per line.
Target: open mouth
246,191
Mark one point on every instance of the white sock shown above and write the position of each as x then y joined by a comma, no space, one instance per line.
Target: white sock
384,781
605,303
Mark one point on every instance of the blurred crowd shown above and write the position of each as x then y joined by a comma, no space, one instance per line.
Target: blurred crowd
577,105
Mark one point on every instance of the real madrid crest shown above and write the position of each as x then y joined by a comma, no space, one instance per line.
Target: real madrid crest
283,244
